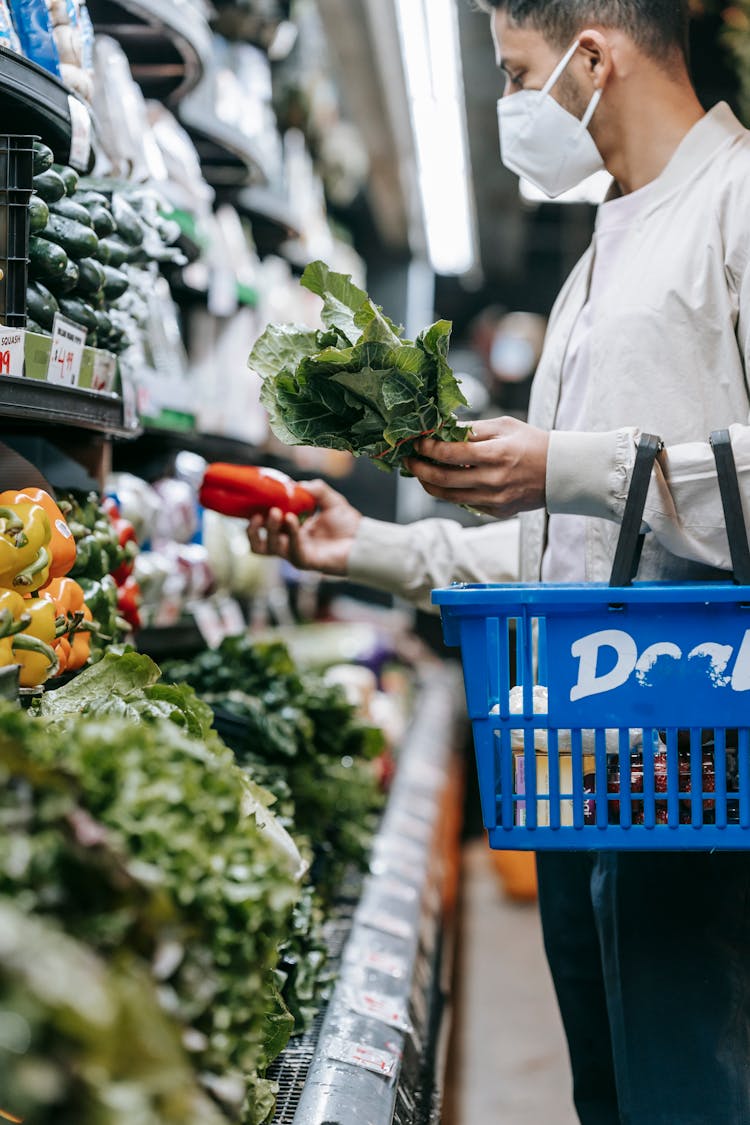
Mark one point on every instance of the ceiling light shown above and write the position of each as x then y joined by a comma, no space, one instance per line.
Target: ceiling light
432,62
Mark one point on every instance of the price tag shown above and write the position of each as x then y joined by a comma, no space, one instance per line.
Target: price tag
380,1007
209,622
412,873
392,846
359,1054
105,368
129,399
393,888
12,342
80,134
387,924
66,353
387,963
232,618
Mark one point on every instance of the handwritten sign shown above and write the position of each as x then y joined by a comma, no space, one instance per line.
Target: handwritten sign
11,351
66,353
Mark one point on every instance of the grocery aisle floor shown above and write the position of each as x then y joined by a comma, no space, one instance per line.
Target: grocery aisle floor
508,1062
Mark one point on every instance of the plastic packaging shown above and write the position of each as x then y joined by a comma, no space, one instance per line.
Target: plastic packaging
8,36
34,26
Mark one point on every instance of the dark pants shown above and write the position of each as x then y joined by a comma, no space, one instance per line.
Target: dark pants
650,956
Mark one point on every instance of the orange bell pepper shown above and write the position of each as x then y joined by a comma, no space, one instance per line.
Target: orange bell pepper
80,644
62,545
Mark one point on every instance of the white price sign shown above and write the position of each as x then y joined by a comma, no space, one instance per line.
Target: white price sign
383,1008
11,350
105,368
66,353
80,134
387,923
359,1054
209,622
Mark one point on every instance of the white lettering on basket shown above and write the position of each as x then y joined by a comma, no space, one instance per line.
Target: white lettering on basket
715,659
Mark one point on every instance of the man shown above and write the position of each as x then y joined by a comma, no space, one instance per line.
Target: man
650,953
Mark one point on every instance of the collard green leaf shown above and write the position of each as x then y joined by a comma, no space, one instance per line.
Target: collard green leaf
280,348
358,386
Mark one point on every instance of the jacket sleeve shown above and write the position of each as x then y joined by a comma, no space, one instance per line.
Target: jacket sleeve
411,560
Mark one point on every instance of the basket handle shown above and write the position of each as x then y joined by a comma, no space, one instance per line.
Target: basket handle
731,501
630,542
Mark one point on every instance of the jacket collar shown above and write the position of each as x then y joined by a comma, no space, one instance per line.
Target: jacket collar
697,148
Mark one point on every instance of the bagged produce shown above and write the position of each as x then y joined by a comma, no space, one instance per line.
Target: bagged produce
34,26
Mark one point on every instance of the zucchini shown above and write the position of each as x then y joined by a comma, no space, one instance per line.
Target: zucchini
41,305
49,185
69,209
79,312
42,159
101,217
38,214
129,226
76,240
115,283
32,326
68,176
91,276
47,260
118,251
102,252
103,324
67,281
88,197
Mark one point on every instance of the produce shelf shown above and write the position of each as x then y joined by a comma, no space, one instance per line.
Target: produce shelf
228,159
273,220
32,101
402,924
155,447
167,42
31,403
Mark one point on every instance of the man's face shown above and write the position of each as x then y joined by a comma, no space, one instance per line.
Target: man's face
527,60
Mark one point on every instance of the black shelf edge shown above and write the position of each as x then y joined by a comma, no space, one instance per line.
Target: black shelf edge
32,402
35,102
167,42
273,220
156,442
228,159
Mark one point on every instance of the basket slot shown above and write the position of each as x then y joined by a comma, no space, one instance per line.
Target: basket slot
542,651
673,779
601,795
624,786
554,779
744,776
720,777
577,772
530,778
649,781
696,777
509,806
496,685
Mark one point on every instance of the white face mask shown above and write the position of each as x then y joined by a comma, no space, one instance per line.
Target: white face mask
544,143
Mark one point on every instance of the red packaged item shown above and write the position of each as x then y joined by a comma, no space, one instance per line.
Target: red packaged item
244,491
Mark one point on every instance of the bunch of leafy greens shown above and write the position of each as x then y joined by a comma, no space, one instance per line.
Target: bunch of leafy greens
357,385
84,1040
190,880
302,740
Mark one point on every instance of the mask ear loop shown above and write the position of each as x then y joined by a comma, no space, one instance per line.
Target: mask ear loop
586,119
560,68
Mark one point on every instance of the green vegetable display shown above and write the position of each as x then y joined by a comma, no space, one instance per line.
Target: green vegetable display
142,838
357,385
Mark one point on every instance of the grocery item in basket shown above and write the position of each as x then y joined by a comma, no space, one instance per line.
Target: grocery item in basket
661,811
540,699
543,817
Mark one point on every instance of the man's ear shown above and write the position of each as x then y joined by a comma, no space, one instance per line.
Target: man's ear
597,54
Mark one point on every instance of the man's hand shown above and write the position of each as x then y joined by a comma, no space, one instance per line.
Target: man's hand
323,542
500,471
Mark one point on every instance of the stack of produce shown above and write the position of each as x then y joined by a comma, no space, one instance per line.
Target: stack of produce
106,550
127,824
91,243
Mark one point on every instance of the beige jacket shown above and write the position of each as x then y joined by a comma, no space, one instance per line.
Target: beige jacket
669,352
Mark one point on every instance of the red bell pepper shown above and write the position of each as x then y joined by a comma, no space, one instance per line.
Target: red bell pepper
128,543
245,491
129,601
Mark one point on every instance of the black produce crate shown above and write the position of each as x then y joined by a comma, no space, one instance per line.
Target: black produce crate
16,186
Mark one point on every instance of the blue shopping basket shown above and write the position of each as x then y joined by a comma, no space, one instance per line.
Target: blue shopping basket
626,724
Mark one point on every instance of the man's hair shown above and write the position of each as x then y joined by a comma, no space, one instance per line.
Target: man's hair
658,27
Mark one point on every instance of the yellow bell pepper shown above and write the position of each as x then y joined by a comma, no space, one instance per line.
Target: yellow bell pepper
25,536
27,628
